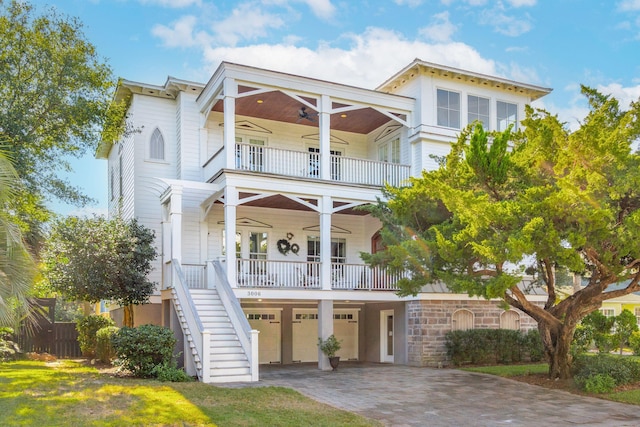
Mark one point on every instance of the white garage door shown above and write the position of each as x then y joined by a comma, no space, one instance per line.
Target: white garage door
268,322
305,334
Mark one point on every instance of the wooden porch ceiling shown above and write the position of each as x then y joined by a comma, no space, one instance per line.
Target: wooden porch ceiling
280,107
278,201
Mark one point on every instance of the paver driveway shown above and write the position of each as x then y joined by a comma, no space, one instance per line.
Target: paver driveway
410,396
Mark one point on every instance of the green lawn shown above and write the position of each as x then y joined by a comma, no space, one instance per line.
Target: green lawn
631,395
67,393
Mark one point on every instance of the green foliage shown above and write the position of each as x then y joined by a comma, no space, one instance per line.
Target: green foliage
104,349
169,372
94,259
87,328
54,93
623,370
634,342
329,346
625,325
599,383
9,350
140,350
582,339
490,346
17,269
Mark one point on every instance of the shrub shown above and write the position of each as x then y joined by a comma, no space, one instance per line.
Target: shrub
141,349
623,370
600,383
169,372
634,343
582,339
9,350
104,349
487,346
87,328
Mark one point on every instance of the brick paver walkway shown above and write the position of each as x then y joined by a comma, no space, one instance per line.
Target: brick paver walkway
410,396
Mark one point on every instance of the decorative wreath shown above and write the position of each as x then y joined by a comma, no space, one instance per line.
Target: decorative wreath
295,248
284,246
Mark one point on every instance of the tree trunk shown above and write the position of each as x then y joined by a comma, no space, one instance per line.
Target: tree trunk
128,316
557,346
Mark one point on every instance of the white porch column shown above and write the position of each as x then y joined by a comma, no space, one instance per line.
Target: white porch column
325,242
175,215
230,206
324,117
229,128
325,329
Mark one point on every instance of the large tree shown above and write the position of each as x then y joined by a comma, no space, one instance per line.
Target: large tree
94,259
543,197
16,266
54,93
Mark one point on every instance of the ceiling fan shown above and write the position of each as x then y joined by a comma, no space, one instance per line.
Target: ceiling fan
303,114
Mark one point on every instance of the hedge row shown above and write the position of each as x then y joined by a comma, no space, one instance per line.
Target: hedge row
491,346
601,373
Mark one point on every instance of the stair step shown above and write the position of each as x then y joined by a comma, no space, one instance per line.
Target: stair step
230,379
229,365
229,371
223,337
227,356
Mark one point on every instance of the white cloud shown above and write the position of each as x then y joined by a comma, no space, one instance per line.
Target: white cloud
321,8
522,3
629,5
410,3
246,22
505,24
175,4
179,34
623,94
440,30
372,57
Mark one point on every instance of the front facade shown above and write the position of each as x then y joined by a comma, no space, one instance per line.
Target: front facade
253,183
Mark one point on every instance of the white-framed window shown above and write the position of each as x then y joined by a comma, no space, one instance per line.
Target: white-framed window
238,244
510,319
258,245
448,108
156,145
478,109
506,113
389,151
608,312
250,153
462,320
338,250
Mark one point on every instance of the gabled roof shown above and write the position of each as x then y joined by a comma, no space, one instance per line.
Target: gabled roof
419,66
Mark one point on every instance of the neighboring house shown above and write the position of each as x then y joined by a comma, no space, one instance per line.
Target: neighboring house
252,183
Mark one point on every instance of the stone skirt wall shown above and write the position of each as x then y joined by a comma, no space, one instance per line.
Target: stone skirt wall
429,321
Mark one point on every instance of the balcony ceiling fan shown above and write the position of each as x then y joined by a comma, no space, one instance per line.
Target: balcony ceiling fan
303,114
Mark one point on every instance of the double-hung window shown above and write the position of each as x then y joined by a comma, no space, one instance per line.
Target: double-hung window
389,151
448,108
478,110
507,114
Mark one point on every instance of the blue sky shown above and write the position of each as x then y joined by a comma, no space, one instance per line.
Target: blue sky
553,43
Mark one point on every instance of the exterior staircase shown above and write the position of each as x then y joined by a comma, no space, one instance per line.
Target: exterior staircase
228,361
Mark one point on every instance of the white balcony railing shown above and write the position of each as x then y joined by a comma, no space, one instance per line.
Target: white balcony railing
257,158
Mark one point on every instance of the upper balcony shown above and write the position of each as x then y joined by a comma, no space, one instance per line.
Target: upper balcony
300,164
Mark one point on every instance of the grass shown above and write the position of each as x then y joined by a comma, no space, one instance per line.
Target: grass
624,394
67,393
510,370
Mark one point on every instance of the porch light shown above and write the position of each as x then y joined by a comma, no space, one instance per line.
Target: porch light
259,101
344,116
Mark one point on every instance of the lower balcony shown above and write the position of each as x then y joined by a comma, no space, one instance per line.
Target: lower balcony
256,273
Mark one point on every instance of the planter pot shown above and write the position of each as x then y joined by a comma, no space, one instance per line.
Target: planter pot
333,361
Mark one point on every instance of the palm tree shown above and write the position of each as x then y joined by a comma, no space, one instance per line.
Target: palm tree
17,268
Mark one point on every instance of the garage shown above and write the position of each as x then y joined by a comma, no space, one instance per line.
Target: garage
305,334
269,323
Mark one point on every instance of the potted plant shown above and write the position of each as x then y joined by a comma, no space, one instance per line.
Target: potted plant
329,347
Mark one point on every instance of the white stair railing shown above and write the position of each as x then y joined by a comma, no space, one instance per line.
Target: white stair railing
190,321
248,337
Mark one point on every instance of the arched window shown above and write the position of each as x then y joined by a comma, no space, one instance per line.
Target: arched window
510,320
156,145
462,320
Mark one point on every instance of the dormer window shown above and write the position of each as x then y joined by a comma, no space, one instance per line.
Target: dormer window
156,145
